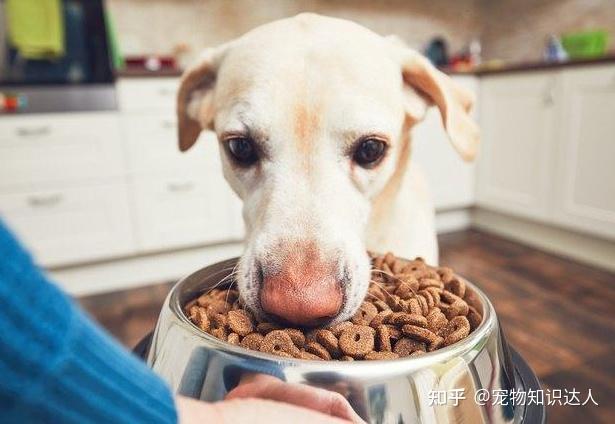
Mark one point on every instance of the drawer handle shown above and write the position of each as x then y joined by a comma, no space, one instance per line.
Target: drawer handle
48,200
33,131
180,187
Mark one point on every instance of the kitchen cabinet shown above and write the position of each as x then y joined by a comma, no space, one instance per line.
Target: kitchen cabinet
585,173
66,225
58,148
548,143
518,128
180,199
450,179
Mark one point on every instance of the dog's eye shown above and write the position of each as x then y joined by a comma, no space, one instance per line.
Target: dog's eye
369,152
242,149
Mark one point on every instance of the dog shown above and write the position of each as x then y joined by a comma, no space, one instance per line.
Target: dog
313,116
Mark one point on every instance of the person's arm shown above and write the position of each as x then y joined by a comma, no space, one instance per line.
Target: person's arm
56,365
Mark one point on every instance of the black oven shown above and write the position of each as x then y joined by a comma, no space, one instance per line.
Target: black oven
54,56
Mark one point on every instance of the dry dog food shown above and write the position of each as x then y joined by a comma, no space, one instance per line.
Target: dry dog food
411,308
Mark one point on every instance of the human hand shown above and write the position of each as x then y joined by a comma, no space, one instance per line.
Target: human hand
263,386
239,411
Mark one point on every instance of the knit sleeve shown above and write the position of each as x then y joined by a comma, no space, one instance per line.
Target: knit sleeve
56,365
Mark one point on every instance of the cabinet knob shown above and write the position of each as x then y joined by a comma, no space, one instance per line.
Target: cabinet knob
33,131
44,200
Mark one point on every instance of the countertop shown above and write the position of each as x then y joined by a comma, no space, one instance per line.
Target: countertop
483,70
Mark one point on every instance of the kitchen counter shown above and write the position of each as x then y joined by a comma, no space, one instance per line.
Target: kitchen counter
480,71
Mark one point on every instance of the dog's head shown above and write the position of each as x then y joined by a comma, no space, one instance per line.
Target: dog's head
311,115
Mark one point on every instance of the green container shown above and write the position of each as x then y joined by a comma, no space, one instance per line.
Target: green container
586,45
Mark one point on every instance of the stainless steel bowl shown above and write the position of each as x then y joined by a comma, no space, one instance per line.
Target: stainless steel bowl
425,389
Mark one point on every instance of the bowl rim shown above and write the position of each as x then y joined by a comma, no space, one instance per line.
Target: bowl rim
462,347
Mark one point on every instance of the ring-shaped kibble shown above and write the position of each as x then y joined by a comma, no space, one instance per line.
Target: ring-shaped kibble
317,349
240,323
337,329
367,311
357,341
419,333
328,340
457,329
381,318
252,341
279,341
383,338
402,318
405,346
296,336
457,287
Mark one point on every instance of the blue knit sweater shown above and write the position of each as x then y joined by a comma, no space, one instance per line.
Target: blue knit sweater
56,365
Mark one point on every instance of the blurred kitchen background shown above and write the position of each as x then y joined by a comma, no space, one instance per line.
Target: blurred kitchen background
92,181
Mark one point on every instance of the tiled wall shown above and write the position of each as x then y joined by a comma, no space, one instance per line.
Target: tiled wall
509,29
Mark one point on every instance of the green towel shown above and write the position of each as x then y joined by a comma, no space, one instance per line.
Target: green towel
36,28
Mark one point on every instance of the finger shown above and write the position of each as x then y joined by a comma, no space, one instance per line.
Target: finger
317,399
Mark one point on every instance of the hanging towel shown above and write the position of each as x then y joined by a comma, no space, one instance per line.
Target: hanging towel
36,28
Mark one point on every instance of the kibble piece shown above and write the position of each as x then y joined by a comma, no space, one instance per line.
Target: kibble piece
240,323
379,356
405,346
318,350
296,336
346,358
381,305
436,320
383,338
339,327
198,315
381,318
252,341
277,341
401,318
309,356
458,328
474,317
219,333
367,311
357,341
423,304
218,307
418,333
456,286
233,338
446,274
328,340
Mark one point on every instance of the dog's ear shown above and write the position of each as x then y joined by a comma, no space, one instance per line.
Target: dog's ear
435,87
195,110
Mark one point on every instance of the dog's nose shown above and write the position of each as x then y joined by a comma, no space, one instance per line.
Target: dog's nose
303,292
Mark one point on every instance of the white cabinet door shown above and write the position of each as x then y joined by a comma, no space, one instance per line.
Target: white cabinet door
518,124
68,225
51,148
585,177
187,207
140,94
152,144
450,179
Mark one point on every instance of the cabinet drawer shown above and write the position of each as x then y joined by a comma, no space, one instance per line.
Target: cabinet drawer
175,212
68,225
147,94
53,148
152,145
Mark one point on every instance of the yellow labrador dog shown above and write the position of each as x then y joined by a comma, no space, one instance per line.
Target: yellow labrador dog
313,116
